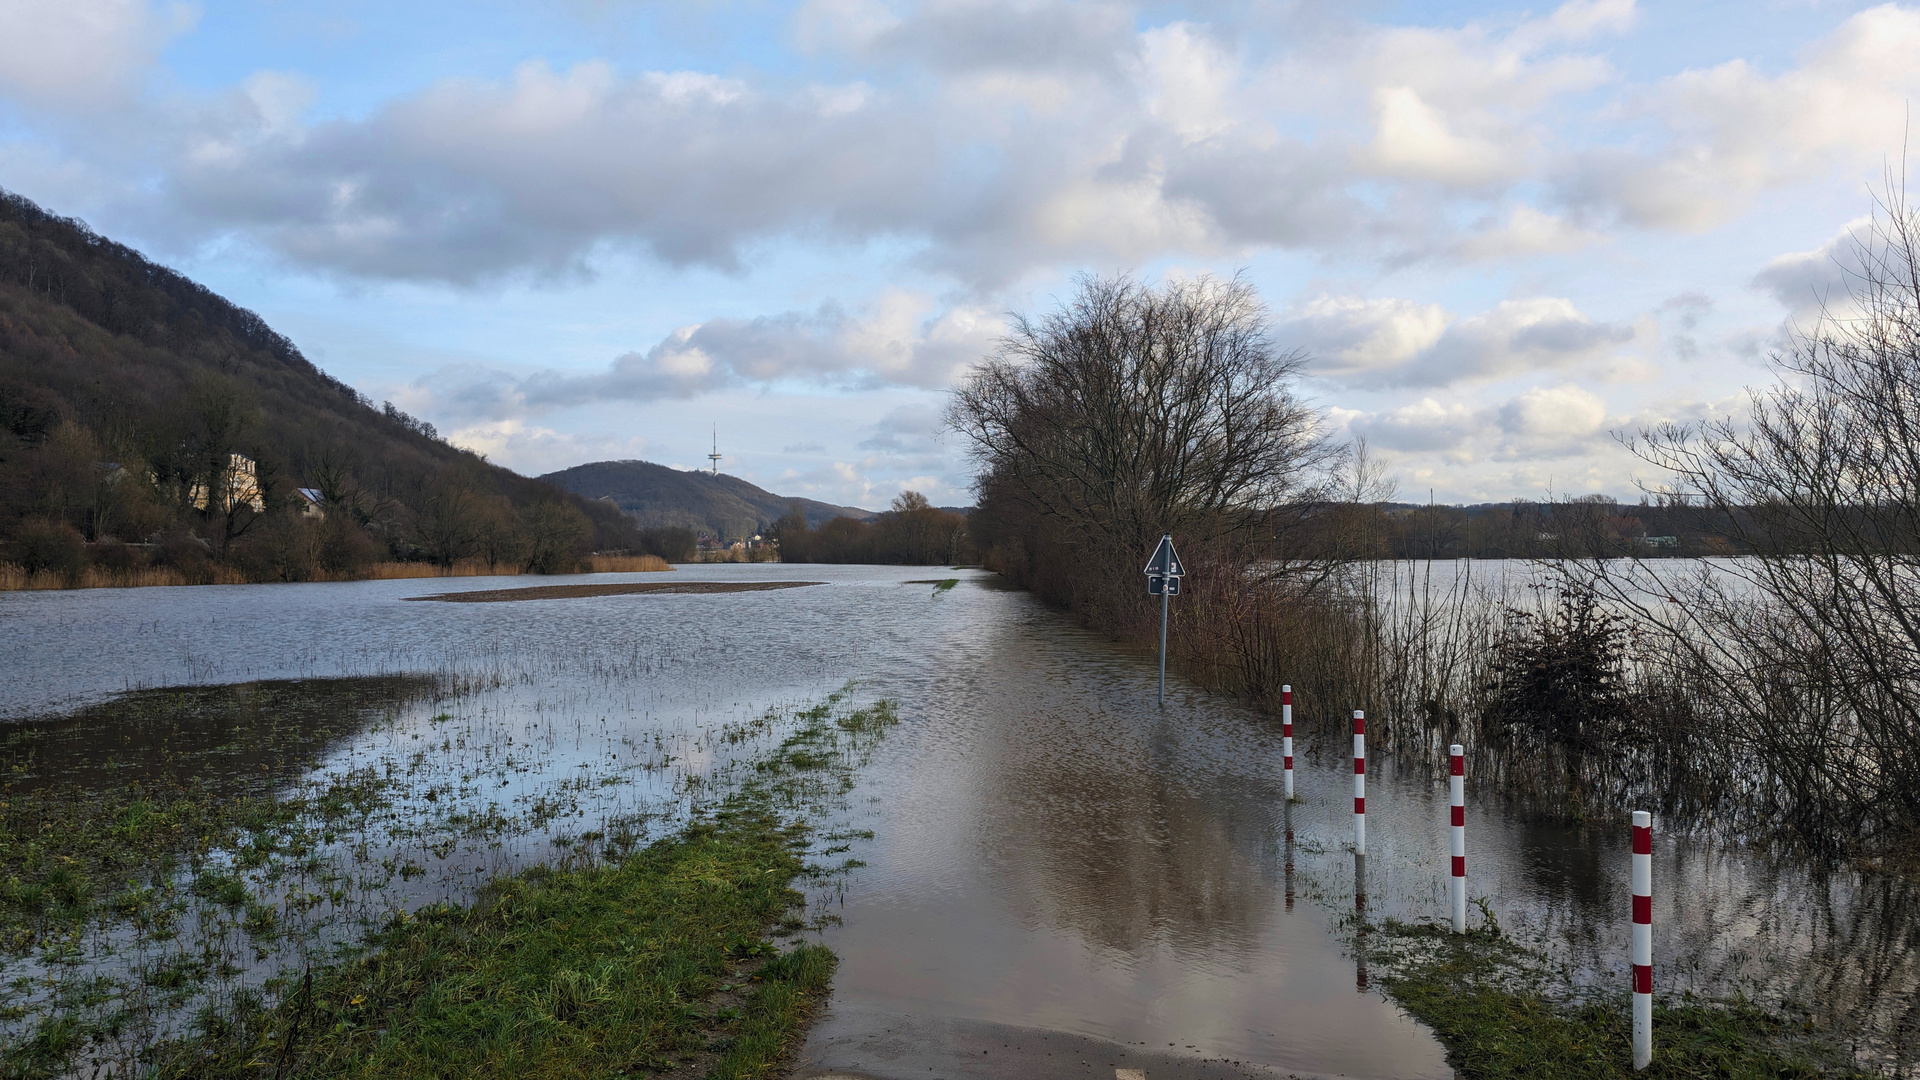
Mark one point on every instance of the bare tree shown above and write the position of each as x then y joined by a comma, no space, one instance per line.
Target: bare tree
446,526
1807,653
1133,411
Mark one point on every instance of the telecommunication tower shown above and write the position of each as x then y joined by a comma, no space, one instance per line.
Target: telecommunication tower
715,456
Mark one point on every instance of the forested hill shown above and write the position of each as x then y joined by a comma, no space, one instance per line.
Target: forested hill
134,401
720,506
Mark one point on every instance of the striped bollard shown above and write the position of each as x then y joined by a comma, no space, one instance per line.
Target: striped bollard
1359,782
1286,735
1642,939
1457,782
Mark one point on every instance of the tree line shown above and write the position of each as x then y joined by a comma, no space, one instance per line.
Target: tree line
912,532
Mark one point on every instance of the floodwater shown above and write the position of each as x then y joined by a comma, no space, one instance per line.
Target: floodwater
1051,853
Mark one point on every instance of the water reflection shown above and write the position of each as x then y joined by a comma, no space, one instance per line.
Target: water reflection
1360,922
1289,853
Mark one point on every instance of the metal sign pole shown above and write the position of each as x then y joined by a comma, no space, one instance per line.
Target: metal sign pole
1164,572
1163,649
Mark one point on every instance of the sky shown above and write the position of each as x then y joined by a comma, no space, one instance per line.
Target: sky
1504,236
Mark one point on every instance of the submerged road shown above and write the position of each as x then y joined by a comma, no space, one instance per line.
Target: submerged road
1065,880
855,1045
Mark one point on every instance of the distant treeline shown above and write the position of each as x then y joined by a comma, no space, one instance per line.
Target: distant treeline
1589,526
145,421
912,533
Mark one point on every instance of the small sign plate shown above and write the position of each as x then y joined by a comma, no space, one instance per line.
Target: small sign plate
1166,561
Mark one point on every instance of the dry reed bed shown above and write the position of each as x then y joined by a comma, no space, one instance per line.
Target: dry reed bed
15,579
616,588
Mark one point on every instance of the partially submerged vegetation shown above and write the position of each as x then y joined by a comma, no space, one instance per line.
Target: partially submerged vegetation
100,809
652,962
911,532
1504,1013
168,894
655,960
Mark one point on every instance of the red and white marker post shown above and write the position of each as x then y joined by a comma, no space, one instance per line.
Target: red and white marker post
1642,951
1359,782
1457,782
1286,735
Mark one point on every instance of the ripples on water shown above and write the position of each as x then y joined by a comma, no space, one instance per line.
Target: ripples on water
1050,850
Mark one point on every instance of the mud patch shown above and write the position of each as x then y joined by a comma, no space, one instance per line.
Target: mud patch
571,592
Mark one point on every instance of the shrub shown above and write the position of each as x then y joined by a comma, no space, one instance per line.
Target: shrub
39,544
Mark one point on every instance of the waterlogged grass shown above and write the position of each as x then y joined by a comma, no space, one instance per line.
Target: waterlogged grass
99,810
1500,1014
654,963
614,959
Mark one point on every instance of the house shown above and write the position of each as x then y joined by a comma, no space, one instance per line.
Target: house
239,487
311,504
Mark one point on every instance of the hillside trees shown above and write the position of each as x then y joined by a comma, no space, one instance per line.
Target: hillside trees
145,418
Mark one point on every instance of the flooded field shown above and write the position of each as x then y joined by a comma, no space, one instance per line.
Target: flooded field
1050,854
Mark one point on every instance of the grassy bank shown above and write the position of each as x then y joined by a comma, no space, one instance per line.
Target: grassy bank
662,961
172,907
658,962
1502,1013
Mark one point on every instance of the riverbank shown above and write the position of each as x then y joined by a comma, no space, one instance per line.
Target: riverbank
1502,1011
15,579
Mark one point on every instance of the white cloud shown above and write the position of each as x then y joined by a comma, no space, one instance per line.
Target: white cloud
1517,336
81,54
902,340
1413,139
533,449
1392,342
1525,231
1539,423
1737,133
1578,20
1347,336
1808,282
1545,421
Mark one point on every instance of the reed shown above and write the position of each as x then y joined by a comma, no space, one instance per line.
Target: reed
14,578
626,564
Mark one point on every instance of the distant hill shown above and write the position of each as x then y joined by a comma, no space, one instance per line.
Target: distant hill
128,392
656,496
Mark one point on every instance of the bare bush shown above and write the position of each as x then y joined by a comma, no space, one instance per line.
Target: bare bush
1805,657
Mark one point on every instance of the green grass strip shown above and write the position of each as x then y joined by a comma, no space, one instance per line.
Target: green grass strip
1487,1000
605,971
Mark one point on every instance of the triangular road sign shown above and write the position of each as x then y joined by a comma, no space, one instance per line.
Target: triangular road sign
1166,561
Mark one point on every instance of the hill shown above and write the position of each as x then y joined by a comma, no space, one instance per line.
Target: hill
144,417
719,506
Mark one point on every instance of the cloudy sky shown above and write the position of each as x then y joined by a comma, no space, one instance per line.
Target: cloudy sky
590,229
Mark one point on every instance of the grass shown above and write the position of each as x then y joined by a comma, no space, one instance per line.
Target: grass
97,806
654,963
1500,1014
615,960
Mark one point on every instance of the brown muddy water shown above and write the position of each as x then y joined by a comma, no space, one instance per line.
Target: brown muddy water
1051,856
